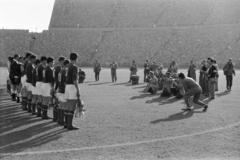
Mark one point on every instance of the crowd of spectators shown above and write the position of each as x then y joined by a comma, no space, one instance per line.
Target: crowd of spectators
144,13
125,45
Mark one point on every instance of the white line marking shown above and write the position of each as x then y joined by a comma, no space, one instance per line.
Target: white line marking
120,145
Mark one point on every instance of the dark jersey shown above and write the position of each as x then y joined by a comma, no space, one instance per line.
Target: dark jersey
57,69
39,73
72,73
29,71
62,80
15,69
34,76
25,67
48,75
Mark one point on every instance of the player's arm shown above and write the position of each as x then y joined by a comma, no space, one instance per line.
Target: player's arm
75,80
51,79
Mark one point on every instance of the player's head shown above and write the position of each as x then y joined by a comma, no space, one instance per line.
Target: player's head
16,57
28,55
173,62
230,60
203,62
214,61
160,67
181,76
21,59
37,62
133,61
191,62
50,61
147,60
61,60
73,56
43,60
66,62
33,58
10,58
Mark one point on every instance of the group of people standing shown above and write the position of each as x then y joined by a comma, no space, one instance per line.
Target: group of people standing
38,83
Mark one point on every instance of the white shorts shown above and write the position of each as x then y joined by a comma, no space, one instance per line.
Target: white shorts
34,90
46,89
39,88
28,86
61,97
23,80
70,92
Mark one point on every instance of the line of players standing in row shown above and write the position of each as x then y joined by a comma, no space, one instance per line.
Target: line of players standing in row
38,83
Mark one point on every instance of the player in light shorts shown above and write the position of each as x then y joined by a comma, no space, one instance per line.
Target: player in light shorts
34,89
61,93
72,90
56,71
47,87
39,73
23,81
28,84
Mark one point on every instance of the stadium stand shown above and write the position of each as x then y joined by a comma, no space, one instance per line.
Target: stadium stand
124,30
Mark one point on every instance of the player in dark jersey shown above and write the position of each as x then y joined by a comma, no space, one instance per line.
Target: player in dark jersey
72,92
39,73
47,86
21,70
15,76
34,89
56,71
28,84
61,91
23,81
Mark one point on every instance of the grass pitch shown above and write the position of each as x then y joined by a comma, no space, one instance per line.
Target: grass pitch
122,123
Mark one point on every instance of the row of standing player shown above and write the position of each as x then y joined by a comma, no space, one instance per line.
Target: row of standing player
40,83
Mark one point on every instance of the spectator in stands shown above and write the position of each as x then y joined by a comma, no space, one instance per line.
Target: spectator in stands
229,71
192,70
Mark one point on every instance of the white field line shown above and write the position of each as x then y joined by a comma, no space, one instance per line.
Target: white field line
121,144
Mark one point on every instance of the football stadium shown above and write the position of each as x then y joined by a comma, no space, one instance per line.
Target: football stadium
123,79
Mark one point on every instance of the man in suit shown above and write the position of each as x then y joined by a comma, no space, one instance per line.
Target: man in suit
229,71
192,70
212,73
97,68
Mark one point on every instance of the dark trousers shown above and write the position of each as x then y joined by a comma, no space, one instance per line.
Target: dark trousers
97,76
145,75
229,81
114,76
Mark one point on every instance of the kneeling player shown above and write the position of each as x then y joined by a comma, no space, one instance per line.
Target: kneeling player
72,90
191,88
61,96
47,87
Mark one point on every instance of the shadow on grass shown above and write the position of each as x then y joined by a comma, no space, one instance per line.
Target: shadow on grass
20,130
94,84
142,96
179,116
222,93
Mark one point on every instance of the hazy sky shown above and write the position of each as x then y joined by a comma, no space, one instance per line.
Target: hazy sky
25,14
